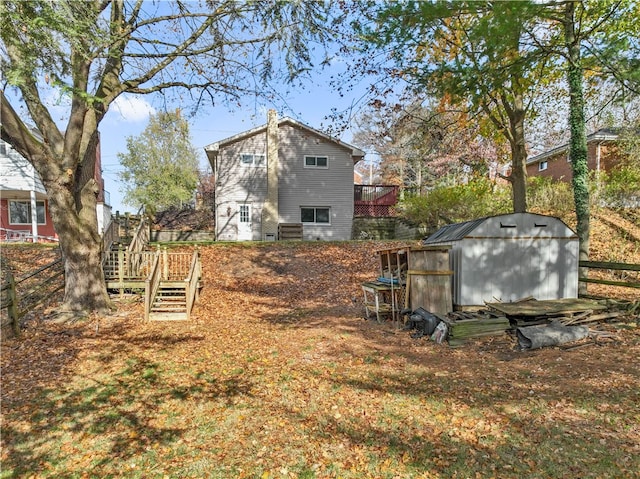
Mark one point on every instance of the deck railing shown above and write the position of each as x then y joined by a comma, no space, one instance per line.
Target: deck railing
175,266
193,282
151,286
141,236
375,200
110,236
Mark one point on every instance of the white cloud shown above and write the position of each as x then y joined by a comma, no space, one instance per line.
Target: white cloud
132,108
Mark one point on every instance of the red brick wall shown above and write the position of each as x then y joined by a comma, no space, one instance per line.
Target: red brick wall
560,169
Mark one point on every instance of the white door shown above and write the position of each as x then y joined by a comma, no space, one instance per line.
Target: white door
244,222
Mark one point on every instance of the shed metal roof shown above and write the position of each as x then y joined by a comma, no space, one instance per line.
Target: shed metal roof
510,225
453,232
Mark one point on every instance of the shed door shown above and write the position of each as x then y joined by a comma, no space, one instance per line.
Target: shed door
244,222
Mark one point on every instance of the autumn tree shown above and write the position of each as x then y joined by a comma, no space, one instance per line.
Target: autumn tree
422,145
88,53
160,165
469,54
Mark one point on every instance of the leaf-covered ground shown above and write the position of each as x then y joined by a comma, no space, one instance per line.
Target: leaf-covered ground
278,376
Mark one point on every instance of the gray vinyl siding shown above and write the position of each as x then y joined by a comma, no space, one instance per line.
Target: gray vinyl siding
237,184
330,187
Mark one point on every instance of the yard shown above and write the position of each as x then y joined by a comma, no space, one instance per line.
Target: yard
278,376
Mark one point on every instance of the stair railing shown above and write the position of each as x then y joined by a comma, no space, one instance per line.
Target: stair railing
193,280
138,243
110,236
151,286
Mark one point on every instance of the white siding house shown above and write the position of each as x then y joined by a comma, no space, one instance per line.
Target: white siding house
283,172
24,205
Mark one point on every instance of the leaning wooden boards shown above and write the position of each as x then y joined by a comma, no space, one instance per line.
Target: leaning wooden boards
429,277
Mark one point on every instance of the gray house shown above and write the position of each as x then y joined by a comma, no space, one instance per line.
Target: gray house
283,172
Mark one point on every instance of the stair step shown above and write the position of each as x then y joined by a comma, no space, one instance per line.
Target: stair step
167,316
169,304
168,310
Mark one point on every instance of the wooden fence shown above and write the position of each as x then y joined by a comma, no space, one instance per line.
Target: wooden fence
619,274
18,296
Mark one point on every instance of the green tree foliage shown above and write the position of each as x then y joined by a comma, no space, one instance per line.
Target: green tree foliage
622,183
471,55
550,197
493,56
454,204
88,53
161,165
591,39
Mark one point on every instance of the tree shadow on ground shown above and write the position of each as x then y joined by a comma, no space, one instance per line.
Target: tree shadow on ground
122,406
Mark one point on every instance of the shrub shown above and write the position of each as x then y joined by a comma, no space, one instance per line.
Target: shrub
453,204
621,186
546,196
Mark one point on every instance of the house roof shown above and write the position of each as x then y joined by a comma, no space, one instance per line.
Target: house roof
213,148
603,134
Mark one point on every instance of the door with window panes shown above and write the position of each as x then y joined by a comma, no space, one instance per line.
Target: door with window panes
244,222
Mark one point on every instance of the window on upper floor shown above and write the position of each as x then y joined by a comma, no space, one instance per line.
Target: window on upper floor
316,162
253,160
20,212
543,165
315,215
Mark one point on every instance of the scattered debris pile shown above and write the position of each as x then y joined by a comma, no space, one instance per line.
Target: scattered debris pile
534,337
463,326
536,323
569,311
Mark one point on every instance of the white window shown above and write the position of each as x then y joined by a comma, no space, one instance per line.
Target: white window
316,162
249,159
315,215
20,212
245,217
543,165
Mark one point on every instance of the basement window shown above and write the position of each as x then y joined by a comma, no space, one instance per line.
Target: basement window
315,215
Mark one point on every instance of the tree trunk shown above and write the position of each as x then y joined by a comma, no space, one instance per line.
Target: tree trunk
518,156
578,141
76,225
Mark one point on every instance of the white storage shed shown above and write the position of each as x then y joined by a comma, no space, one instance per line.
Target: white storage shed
510,257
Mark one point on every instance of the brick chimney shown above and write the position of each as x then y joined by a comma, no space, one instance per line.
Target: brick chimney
270,215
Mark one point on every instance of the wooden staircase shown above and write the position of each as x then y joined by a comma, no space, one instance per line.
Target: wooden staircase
170,302
171,281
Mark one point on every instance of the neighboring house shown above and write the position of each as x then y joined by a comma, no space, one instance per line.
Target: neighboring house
24,207
555,163
283,172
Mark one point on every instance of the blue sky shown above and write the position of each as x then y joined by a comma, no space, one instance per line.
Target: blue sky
129,117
